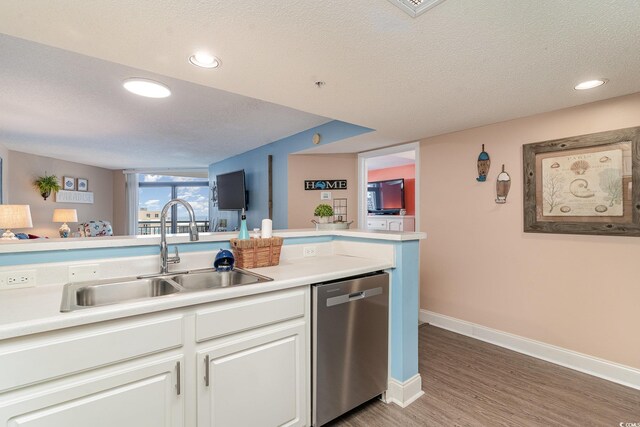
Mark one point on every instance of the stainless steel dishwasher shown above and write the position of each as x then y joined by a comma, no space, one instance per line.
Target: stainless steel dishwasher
349,344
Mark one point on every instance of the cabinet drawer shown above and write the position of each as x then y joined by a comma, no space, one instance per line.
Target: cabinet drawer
377,224
228,317
46,356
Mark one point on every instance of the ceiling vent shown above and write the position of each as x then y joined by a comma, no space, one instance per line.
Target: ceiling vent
416,7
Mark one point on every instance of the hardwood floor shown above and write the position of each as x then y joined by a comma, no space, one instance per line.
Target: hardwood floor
471,383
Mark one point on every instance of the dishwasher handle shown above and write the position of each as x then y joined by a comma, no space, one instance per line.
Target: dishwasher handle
354,296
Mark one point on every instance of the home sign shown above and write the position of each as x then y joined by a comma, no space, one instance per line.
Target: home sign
325,184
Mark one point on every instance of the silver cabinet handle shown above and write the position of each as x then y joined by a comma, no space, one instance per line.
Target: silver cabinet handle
206,370
178,388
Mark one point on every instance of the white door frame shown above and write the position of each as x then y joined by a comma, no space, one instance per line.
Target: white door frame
362,178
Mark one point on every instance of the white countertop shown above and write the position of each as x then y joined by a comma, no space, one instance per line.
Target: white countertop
34,310
13,246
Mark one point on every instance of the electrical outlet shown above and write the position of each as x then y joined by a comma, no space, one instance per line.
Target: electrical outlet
308,251
81,273
18,279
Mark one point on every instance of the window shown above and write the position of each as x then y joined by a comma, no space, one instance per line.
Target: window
154,191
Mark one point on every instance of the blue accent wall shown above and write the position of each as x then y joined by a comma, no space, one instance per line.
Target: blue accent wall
255,165
405,285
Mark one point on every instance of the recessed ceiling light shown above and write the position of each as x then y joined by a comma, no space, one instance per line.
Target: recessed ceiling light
204,60
590,84
146,87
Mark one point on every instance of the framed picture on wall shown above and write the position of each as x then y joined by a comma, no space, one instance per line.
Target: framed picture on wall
82,184
584,184
68,183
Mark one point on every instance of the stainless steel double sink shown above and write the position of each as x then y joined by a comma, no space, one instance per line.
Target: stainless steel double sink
96,293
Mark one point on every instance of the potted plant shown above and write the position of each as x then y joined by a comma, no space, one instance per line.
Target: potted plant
323,212
46,184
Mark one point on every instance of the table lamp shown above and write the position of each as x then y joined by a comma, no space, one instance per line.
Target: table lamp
64,216
14,216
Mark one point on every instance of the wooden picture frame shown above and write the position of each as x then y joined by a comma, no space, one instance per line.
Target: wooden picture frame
82,184
588,184
68,183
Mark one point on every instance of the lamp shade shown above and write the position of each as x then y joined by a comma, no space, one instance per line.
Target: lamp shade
65,215
15,216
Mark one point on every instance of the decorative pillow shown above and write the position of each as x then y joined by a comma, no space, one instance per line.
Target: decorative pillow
97,228
25,236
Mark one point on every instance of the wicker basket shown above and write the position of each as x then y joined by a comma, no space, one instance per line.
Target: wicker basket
254,253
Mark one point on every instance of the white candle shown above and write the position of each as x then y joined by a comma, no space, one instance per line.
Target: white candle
267,227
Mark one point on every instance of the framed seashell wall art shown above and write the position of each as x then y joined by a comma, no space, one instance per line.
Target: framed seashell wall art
588,184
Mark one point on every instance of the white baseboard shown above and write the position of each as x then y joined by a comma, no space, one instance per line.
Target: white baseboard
404,394
611,371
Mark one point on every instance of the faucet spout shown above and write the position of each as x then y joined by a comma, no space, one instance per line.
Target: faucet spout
165,259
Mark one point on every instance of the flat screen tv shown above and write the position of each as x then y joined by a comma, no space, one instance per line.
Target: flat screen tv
385,197
232,193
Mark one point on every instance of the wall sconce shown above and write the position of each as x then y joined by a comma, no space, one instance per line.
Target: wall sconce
14,216
47,184
503,184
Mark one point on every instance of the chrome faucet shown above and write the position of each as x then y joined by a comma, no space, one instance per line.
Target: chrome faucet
165,259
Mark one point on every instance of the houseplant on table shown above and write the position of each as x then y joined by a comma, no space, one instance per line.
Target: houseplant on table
323,212
46,184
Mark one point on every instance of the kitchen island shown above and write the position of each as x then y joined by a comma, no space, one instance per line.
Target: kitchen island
206,356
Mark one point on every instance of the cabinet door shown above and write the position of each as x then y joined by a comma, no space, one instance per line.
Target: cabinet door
136,395
258,380
394,225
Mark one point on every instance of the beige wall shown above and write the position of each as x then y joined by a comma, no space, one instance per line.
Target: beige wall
4,154
334,166
119,203
576,292
25,169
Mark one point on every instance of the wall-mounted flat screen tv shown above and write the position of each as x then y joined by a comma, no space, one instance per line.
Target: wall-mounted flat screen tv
385,197
232,192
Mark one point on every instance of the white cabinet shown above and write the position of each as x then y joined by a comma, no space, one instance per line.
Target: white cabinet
143,394
391,223
237,362
253,361
260,379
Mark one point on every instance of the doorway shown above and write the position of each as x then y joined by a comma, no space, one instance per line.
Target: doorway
389,188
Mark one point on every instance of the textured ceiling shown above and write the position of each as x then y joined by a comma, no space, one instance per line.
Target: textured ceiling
391,160
62,104
462,64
